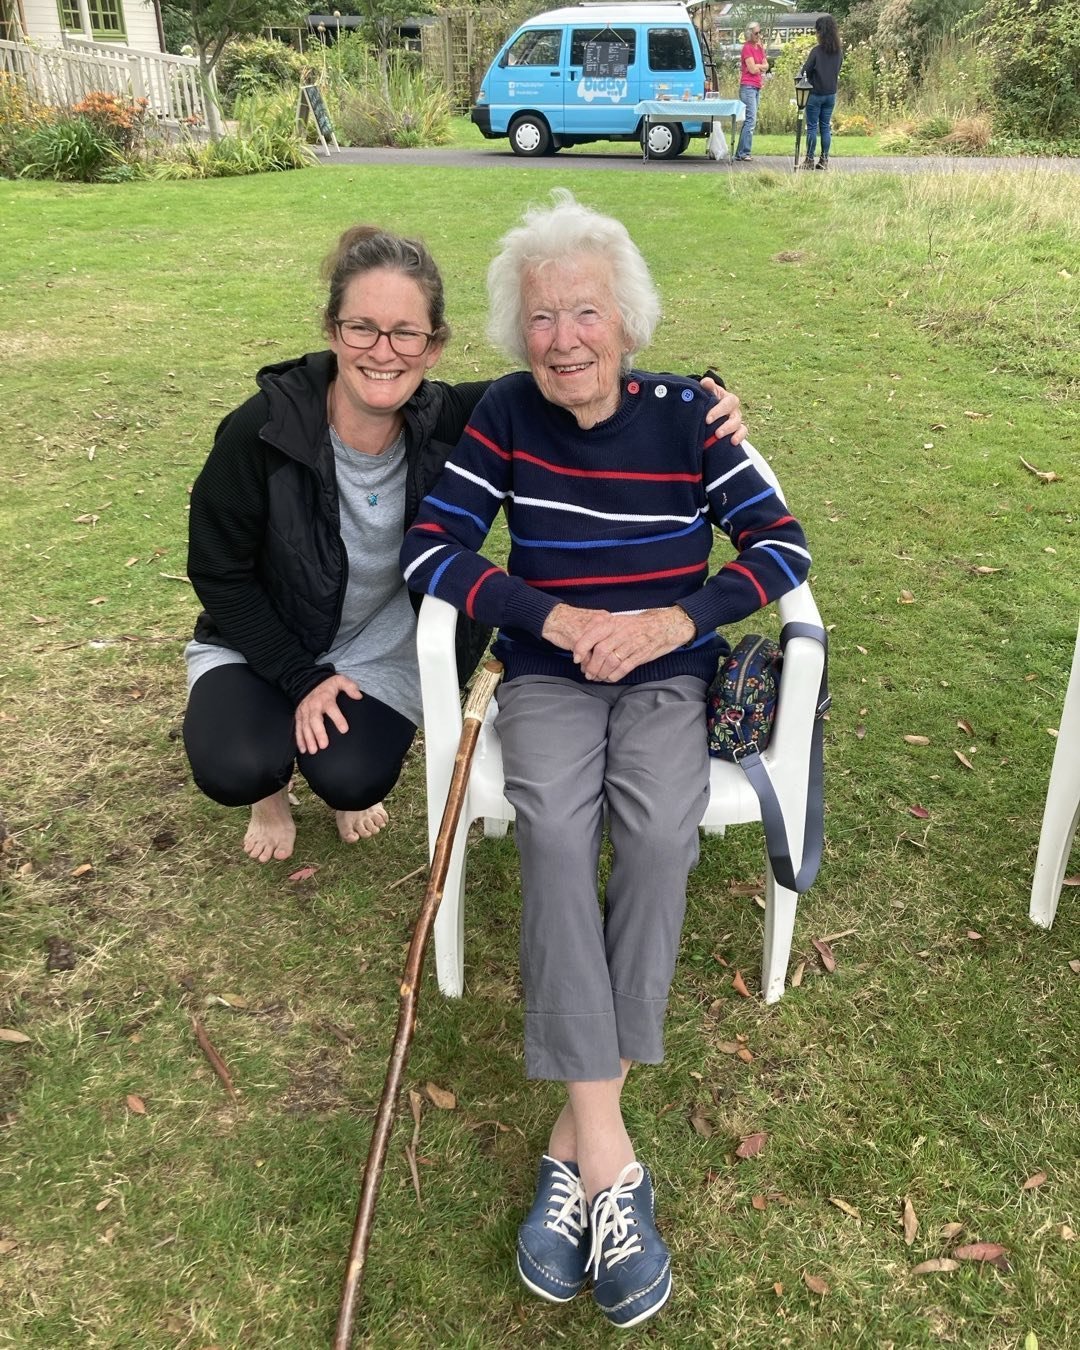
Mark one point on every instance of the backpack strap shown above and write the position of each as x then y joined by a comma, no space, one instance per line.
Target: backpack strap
772,815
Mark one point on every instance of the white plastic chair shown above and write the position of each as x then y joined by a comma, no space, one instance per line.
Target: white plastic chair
732,801
1062,812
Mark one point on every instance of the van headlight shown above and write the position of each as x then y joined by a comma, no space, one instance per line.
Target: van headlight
482,96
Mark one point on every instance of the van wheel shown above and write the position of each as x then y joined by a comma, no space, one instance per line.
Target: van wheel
529,135
666,140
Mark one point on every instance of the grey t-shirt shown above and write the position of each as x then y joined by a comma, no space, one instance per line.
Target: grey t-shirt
375,643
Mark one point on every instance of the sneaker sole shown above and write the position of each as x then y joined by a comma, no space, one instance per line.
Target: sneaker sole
643,1316
545,1294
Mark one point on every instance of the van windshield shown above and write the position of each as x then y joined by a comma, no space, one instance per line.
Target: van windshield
535,47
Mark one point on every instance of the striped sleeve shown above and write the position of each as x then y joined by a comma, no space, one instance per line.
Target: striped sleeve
772,557
441,552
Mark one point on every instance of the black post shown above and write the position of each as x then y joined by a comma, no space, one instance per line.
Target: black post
802,92
798,137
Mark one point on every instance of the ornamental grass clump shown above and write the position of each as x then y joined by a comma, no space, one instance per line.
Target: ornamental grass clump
68,148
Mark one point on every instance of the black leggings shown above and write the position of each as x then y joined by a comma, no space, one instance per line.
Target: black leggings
241,742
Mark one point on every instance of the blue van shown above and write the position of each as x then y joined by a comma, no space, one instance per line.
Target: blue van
574,75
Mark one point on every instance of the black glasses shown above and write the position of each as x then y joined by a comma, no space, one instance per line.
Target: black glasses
363,336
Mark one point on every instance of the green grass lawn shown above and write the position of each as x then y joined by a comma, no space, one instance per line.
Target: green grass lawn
901,345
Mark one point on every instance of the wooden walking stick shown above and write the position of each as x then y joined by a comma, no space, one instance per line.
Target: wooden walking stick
473,715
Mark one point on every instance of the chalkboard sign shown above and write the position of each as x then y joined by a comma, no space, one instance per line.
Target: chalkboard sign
606,60
311,99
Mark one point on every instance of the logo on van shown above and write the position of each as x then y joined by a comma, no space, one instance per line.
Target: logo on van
590,88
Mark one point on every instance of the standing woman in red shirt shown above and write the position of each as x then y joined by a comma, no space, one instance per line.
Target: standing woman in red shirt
752,66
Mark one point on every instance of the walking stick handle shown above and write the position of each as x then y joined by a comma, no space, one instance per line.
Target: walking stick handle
409,992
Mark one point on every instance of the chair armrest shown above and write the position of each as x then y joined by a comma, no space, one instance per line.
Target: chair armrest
441,700
788,753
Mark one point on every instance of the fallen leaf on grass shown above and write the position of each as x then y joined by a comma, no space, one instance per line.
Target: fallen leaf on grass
1074,966
82,869
98,600
103,1204
974,935
937,1265
964,760
910,1223
863,650
860,732
828,960
815,1283
951,1230
976,416
1071,881
752,1145
991,1253
746,887
984,571
844,1207
797,978
136,1105
13,1037
778,1289
1035,1180
1047,476
739,985
744,1054
966,727
303,873
729,1047
1067,1234
758,1202
701,1123
917,740
919,812
905,598
7,1245
443,1098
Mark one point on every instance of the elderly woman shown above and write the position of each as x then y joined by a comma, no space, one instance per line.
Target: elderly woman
611,482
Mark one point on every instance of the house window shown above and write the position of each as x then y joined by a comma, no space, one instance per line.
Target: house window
106,18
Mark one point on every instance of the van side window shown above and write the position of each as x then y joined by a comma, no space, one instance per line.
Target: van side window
670,49
581,37
536,47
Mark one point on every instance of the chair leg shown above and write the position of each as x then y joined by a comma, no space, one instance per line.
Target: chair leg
1060,820
450,923
494,828
780,907
1062,811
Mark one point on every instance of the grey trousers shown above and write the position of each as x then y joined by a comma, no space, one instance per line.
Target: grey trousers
596,985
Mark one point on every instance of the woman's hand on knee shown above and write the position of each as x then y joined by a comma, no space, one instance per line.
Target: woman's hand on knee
320,704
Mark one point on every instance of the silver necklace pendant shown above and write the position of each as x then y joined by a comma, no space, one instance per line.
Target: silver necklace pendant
373,499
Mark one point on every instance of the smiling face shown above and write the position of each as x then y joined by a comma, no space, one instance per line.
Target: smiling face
378,382
574,335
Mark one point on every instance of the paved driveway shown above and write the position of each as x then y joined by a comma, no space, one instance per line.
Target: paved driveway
694,161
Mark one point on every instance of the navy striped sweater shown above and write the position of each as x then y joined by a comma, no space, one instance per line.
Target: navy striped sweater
618,517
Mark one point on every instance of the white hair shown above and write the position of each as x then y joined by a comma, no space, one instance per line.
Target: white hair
553,234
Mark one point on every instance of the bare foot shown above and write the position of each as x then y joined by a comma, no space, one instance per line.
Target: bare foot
271,832
354,825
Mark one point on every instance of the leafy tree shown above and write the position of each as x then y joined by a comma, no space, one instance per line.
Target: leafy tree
1033,47
382,19
212,23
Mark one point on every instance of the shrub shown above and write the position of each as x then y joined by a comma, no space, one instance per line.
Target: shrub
260,64
933,128
263,151
969,136
20,114
852,124
122,120
897,139
70,148
416,113
1033,50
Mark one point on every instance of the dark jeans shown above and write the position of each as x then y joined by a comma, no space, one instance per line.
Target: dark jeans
240,740
819,108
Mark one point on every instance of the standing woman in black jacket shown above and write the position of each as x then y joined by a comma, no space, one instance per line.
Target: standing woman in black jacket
822,69
305,653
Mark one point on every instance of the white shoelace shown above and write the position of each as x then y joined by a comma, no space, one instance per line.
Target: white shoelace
567,1211
609,1221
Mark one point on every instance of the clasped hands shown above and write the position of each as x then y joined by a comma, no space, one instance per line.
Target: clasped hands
608,647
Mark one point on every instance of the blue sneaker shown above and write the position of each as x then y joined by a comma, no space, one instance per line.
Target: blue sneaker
630,1266
551,1245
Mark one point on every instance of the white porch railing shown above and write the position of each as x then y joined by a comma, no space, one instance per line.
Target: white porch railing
61,76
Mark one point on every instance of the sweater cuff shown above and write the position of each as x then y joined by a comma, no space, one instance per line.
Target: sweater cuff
298,686
709,612
528,608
